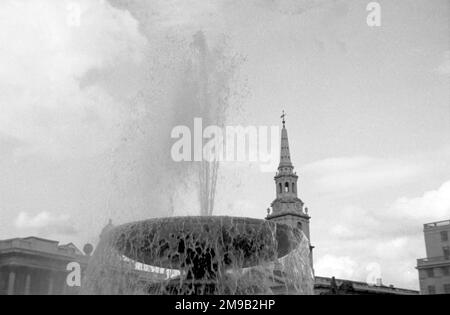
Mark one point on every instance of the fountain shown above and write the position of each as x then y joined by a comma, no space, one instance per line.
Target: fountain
201,256
205,254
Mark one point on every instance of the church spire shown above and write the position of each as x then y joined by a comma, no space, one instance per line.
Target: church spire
287,203
288,208
285,154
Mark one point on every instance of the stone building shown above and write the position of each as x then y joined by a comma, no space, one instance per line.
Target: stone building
332,286
434,270
288,208
35,266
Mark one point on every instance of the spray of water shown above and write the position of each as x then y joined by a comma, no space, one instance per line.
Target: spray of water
211,110
185,79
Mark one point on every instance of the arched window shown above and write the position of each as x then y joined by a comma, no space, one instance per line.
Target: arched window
299,226
280,188
286,187
294,188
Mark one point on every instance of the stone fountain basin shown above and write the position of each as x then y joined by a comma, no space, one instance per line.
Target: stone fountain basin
219,242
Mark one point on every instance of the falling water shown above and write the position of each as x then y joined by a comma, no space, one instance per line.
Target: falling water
201,256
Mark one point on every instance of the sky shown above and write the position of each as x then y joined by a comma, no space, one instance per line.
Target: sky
90,91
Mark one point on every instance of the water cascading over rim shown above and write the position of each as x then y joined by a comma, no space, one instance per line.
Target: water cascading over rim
212,255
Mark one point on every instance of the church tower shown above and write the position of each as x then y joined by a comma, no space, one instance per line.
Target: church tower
287,208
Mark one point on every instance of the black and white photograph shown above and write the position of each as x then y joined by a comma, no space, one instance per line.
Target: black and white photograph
226,154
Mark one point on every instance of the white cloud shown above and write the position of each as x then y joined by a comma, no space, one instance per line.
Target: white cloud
391,247
43,219
391,259
185,12
390,237
404,217
351,175
45,224
185,16
341,231
293,7
444,68
431,206
335,266
44,57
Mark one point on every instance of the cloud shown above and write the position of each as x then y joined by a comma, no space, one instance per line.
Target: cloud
336,266
43,219
354,223
342,232
45,224
183,16
433,205
291,7
50,47
404,217
8,145
351,175
390,237
444,68
390,259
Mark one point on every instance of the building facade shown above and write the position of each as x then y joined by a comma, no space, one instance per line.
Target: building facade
35,266
434,270
332,286
289,209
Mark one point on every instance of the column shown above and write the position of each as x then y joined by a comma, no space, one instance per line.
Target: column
11,282
50,283
64,288
28,283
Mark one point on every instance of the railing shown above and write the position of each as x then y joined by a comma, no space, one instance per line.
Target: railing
437,224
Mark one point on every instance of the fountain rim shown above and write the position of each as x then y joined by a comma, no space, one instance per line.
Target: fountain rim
176,218
284,244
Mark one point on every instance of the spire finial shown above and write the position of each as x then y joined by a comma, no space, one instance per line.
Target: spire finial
284,118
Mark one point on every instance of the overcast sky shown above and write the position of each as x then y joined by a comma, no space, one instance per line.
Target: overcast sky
90,91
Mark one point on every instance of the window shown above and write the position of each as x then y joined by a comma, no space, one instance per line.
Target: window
444,236
446,251
299,226
293,188
280,189
431,289
423,274
447,288
430,273
446,271
286,187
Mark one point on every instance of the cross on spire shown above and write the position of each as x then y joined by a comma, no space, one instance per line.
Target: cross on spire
284,118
